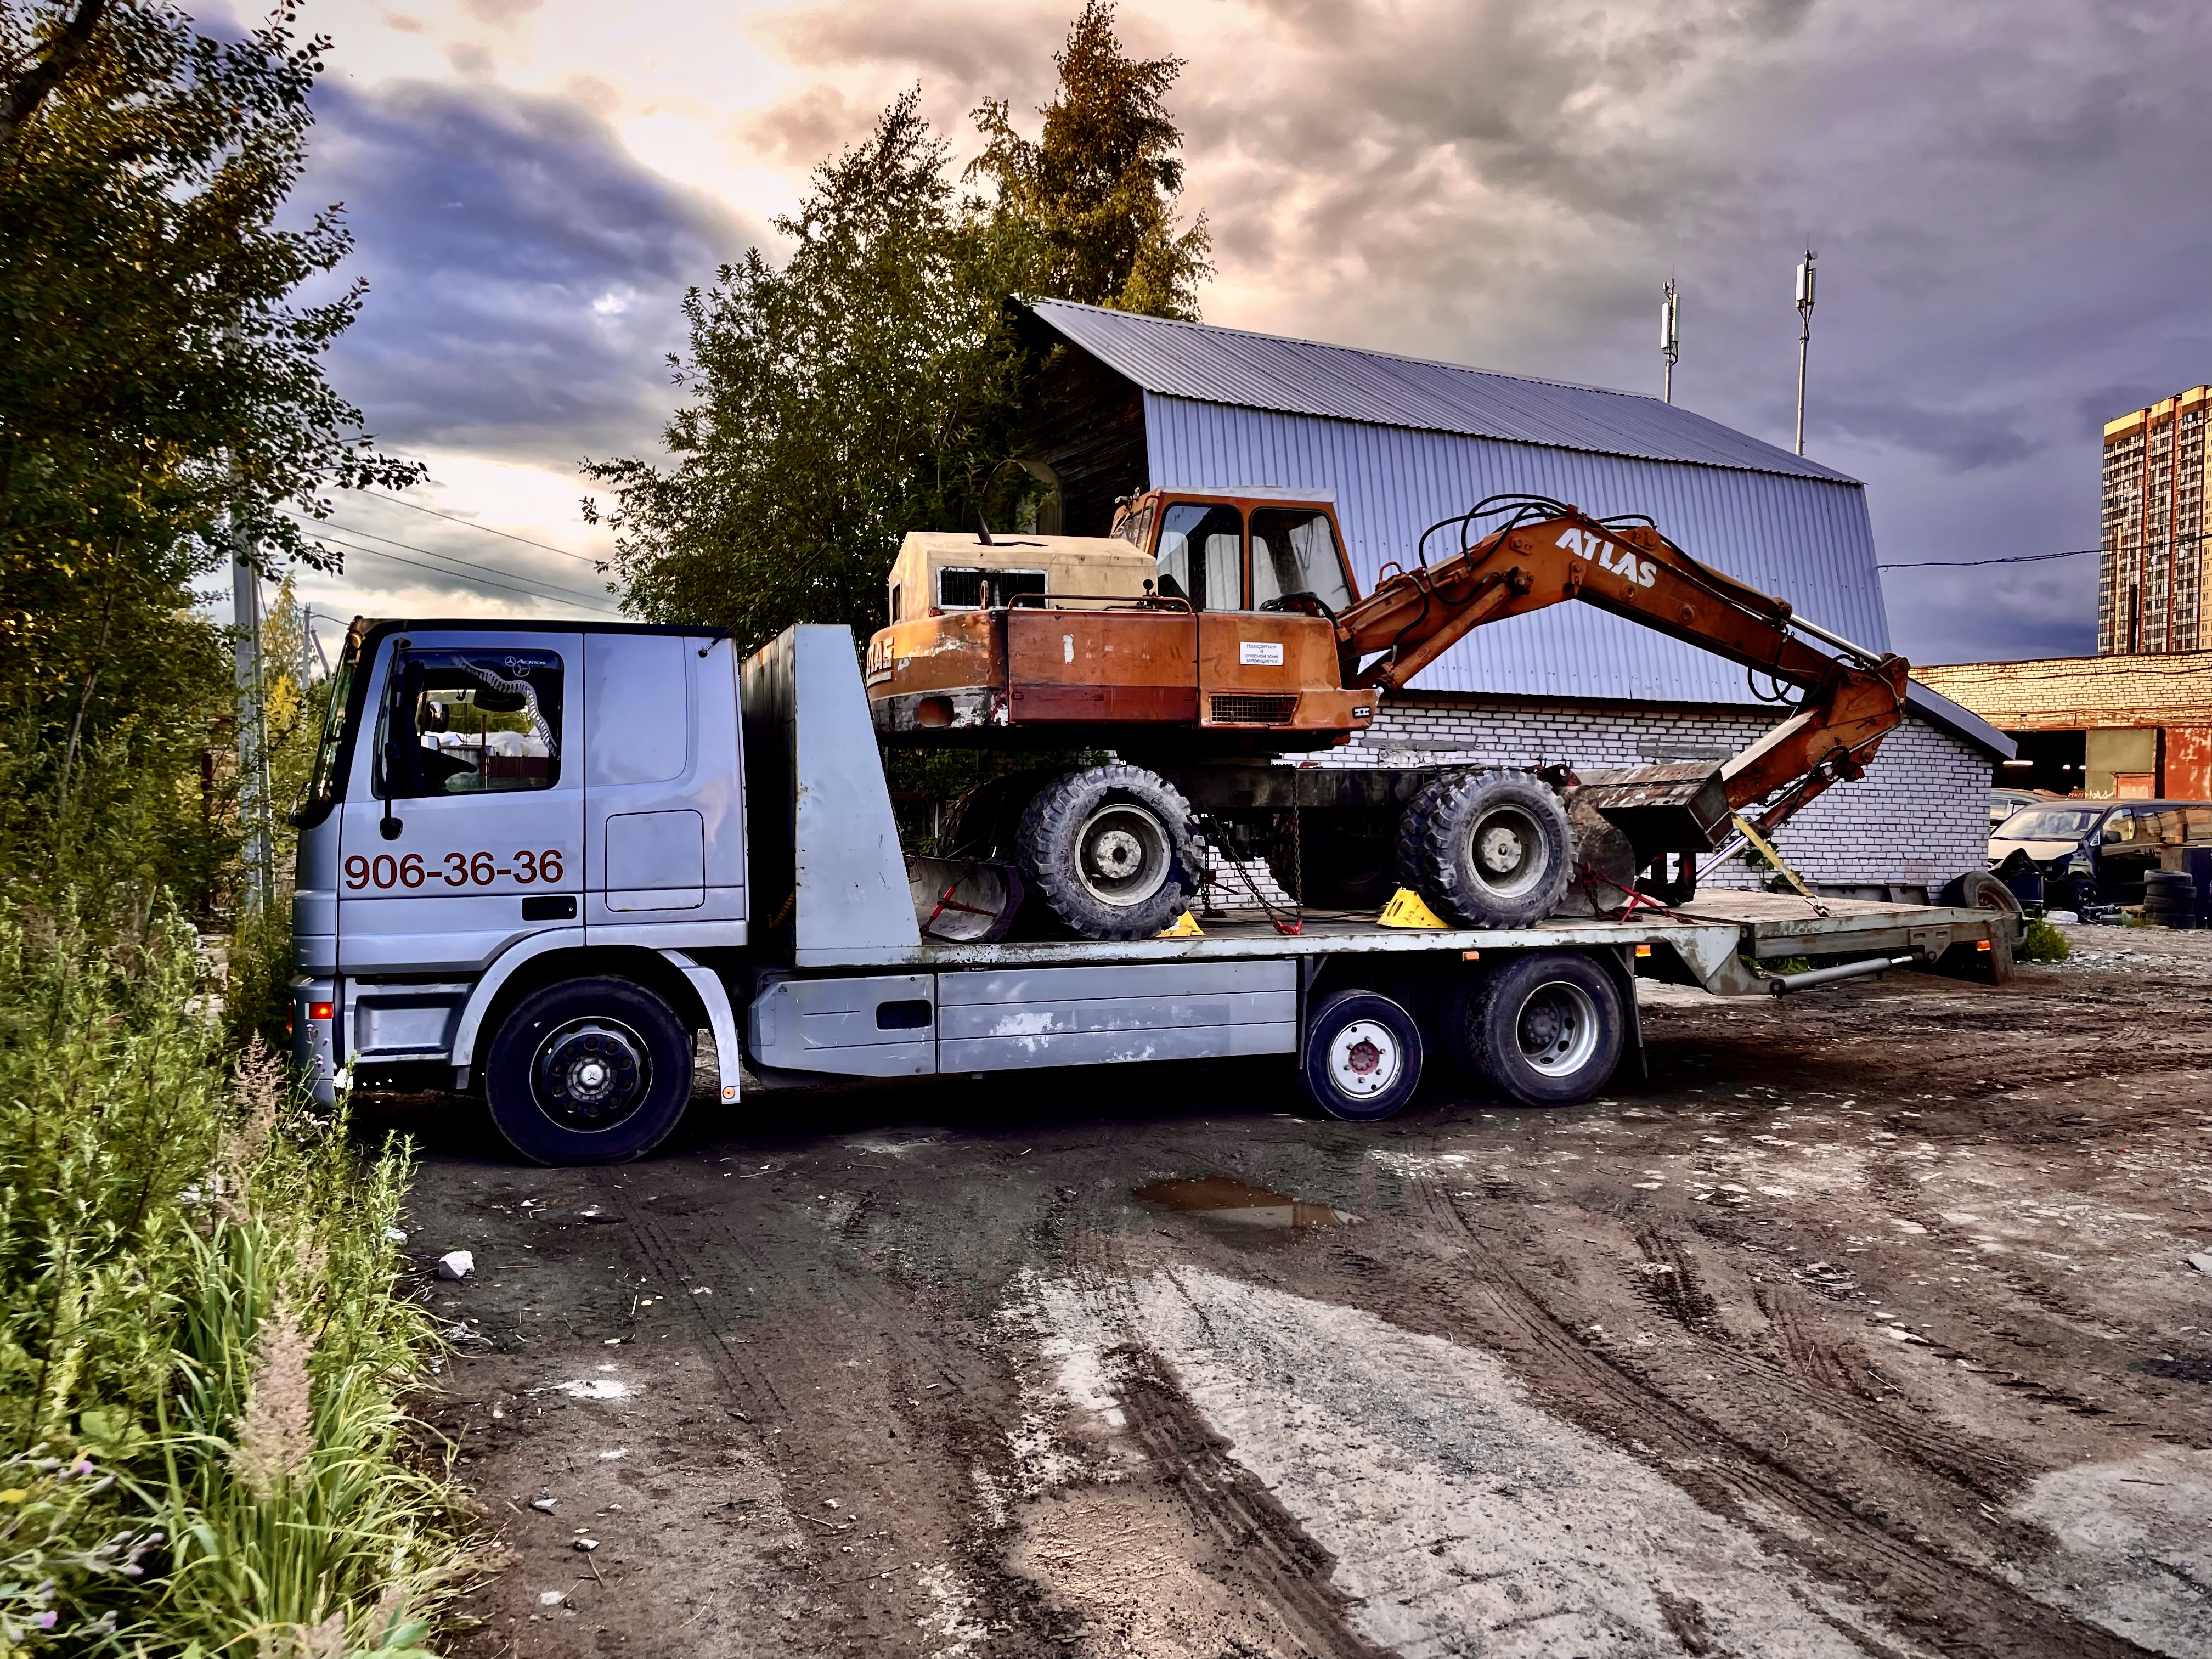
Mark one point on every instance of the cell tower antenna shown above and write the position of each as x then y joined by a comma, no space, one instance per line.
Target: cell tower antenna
1805,275
1670,336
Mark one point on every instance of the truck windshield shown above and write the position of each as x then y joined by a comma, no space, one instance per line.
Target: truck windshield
1294,551
2051,823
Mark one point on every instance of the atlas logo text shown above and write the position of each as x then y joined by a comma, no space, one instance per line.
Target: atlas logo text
1643,572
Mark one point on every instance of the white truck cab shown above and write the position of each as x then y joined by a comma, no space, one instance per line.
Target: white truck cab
519,832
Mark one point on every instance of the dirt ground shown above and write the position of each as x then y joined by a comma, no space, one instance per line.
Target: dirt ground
1866,1325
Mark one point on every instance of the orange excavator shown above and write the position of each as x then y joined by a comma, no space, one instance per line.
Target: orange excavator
1215,625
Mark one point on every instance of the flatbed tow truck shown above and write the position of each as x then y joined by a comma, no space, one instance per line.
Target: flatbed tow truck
538,860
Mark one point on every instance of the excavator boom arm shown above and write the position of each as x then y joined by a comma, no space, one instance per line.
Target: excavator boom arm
1414,617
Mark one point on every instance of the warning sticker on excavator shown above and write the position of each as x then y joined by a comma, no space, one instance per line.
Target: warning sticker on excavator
1260,654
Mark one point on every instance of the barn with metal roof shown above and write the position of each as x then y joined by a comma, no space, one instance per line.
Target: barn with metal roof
1115,403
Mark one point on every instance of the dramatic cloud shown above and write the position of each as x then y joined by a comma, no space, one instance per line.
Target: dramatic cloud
2002,199
2006,201
524,270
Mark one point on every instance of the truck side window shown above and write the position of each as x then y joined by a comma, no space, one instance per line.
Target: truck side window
1201,556
1294,551
472,722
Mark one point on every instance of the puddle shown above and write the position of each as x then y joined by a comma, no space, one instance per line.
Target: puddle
1240,1201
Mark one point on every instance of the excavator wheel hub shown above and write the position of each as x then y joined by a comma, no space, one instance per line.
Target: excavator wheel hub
1500,849
1115,854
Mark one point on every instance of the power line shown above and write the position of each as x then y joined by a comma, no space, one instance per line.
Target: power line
453,558
454,575
2037,558
1961,564
471,523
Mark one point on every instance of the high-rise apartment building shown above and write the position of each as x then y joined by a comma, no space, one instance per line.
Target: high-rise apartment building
2155,572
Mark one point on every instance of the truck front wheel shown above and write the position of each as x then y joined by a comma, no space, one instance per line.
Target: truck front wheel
1544,1029
588,1070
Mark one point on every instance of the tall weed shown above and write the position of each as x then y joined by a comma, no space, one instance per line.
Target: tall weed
202,1355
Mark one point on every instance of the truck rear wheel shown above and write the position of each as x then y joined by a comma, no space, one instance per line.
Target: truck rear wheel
1361,1058
1544,1029
588,1070
1112,850
1494,850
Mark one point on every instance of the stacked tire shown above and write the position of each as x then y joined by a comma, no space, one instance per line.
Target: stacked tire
2170,898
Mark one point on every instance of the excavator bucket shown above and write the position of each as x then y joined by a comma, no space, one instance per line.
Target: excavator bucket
1662,809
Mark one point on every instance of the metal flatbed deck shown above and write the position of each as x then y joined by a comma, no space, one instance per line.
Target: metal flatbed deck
1707,934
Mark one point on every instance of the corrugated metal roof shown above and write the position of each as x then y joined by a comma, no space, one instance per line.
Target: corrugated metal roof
1301,377
1806,539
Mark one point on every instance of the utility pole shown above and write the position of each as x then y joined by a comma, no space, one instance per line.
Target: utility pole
252,729
1670,337
1805,274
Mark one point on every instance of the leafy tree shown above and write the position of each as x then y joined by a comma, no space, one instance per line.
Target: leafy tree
1092,200
160,392
854,394
869,386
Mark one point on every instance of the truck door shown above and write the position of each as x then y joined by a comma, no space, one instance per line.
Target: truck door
462,830
663,805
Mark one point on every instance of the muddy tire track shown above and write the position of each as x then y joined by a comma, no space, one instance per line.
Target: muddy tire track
1954,1607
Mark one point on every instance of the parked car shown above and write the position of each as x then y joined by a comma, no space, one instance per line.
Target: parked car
2005,802
2067,854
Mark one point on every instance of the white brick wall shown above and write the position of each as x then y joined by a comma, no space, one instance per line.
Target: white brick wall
1918,817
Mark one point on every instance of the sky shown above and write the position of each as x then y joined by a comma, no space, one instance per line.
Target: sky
2006,201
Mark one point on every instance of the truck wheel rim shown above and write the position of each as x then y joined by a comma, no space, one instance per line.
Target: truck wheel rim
1506,852
1558,1029
1122,854
1364,1059
591,1074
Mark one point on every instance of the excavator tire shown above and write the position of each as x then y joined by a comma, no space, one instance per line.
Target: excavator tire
1495,851
1413,823
1112,850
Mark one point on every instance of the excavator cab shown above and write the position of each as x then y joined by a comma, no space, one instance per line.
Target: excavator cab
1207,617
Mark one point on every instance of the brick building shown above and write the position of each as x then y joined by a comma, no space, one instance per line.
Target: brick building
2136,726
1117,403
2151,567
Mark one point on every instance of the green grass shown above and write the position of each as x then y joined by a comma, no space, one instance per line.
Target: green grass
202,1352
2045,942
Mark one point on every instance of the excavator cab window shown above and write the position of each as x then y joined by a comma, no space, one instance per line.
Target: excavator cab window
1201,554
1294,551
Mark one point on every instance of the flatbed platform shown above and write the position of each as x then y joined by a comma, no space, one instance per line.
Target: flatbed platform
1708,934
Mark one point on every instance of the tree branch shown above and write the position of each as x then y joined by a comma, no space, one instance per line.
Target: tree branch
24,93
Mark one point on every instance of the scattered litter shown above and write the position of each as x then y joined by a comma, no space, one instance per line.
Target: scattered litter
543,1505
551,1598
587,1545
1649,1186
395,1236
2202,1263
456,1265
609,1456
830,1504
701,1289
594,1388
